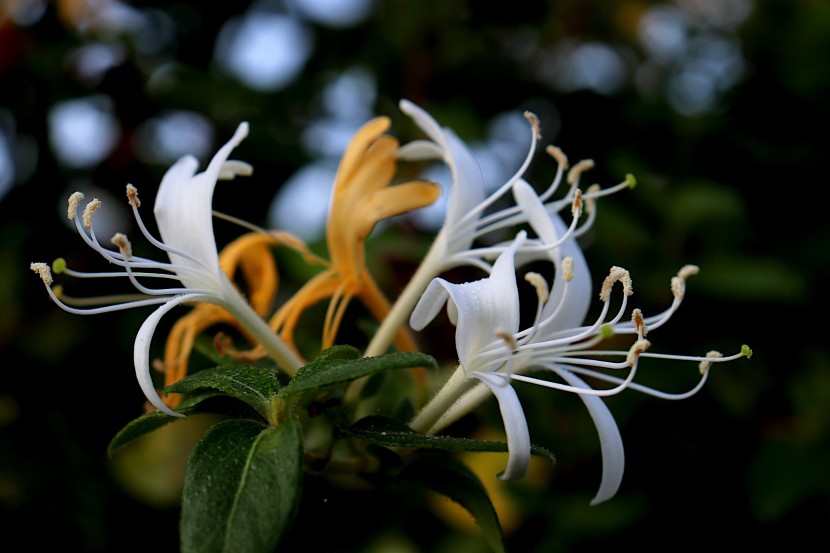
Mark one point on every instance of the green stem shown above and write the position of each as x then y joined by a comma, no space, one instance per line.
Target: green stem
446,397
398,315
259,330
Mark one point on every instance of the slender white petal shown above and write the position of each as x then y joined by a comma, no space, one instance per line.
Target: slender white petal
430,304
610,441
467,191
183,212
515,425
141,350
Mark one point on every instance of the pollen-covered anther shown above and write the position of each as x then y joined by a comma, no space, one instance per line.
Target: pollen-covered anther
705,364
43,271
568,269
557,154
576,206
590,201
617,274
158,366
639,322
508,339
639,347
678,283
132,196
577,170
687,270
534,124
538,282
72,207
89,212
123,244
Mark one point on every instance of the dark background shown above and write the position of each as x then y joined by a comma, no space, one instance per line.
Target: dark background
722,116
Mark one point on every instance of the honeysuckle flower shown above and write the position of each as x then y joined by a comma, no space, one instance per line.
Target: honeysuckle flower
361,197
250,256
183,215
471,215
492,349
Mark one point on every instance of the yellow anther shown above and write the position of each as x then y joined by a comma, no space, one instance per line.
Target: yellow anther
616,274
132,196
42,269
577,170
576,207
508,339
634,353
688,270
590,201
89,212
705,364
568,269
638,322
74,200
123,244
558,155
59,265
541,286
534,124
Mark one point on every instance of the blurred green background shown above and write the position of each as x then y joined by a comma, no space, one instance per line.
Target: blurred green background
719,107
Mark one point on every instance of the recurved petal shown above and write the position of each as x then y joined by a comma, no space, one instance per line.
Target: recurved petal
550,228
610,441
352,157
183,209
141,351
515,425
396,200
430,303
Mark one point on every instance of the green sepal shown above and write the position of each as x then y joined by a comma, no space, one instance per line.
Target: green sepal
388,432
342,364
448,476
148,422
241,487
256,386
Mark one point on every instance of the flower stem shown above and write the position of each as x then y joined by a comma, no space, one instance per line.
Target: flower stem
397,316
449,393
277,349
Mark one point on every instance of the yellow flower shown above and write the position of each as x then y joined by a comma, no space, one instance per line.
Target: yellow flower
362,196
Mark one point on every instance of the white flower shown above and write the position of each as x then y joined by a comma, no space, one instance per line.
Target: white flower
184,217
471,215
493,349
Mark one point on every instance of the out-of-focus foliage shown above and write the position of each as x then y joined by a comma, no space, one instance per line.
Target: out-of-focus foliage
718,107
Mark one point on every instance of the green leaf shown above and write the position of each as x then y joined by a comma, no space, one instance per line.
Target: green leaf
256,386
338,368
241,487
448,476
148,422
388,432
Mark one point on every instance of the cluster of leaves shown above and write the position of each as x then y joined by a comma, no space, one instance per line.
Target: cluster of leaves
244,477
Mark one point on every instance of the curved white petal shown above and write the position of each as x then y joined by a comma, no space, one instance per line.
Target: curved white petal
515,425
141,351
467,190
550,228
183,212
578,299
610,441
486,307
430,303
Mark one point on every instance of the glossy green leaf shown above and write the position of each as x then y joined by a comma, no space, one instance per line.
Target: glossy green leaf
242,487
447,476
256,386
333,368
391,433
148,422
